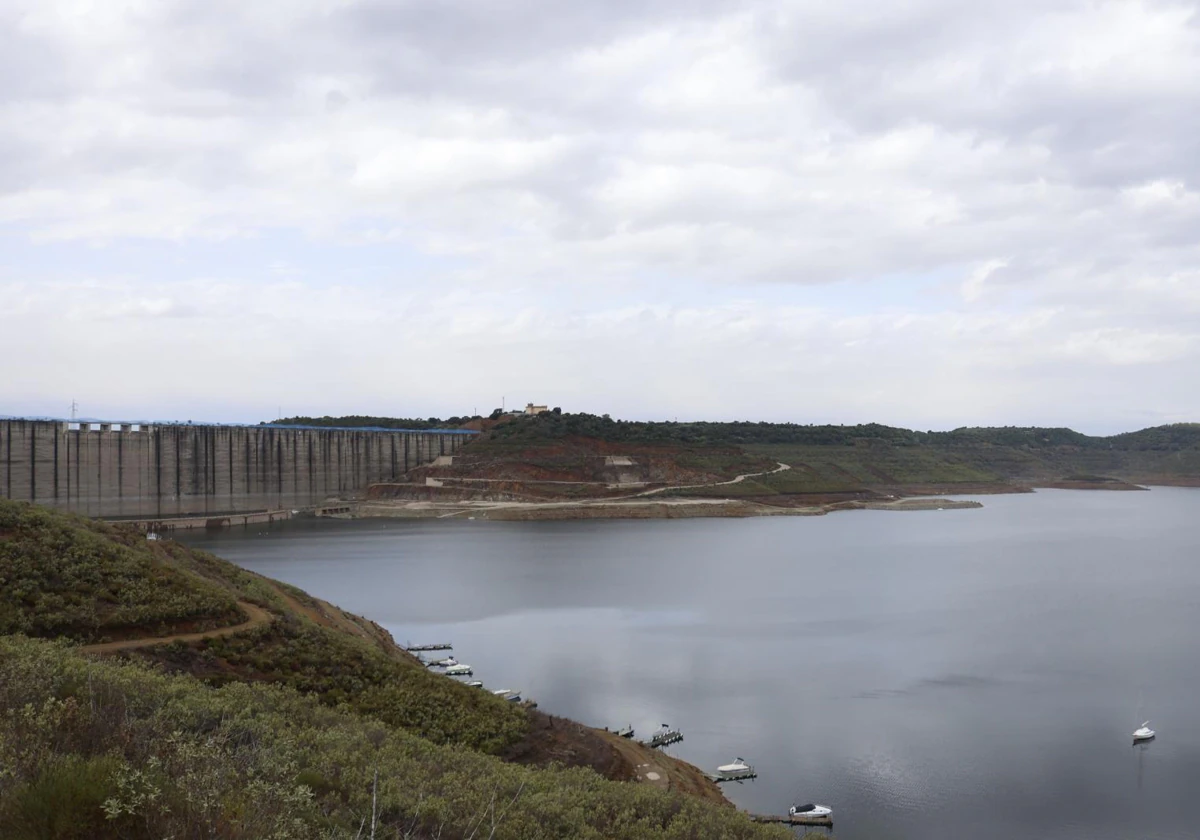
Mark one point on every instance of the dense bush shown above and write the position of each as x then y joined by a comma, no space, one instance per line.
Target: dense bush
69,576
339,668
549,426
358,421
167,756
65,576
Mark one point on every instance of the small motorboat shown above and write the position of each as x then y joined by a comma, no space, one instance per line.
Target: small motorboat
475,684
457,670
508,694
448,662
627,732
738,767
810,810
1143,733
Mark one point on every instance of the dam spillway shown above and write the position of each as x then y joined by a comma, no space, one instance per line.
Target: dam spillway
161,470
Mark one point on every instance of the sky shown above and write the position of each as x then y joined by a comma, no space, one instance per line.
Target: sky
929,213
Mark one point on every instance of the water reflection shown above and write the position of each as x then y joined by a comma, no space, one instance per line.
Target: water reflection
953,674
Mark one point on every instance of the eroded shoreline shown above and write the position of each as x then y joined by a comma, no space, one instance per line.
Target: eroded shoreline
631,509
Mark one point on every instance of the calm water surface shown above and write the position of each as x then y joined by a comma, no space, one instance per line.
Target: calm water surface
946,674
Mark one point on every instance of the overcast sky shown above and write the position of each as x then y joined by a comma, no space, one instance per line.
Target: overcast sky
928,213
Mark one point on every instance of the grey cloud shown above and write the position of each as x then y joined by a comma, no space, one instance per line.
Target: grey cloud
888,67
461,31
707,146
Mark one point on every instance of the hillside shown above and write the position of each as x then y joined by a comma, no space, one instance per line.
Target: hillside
561,458
831,463
360,421
269,713
498,468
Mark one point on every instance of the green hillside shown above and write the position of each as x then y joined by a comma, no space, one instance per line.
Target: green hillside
86,580
106,749
274,722
873,458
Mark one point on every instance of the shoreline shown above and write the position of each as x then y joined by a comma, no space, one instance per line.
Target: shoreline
682,508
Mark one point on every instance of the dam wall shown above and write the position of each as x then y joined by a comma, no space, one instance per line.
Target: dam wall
160,470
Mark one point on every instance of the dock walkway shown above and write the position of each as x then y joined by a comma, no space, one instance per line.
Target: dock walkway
788,819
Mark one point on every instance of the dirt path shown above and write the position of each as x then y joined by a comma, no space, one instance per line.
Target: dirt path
735,480
258,617
614,501
331,618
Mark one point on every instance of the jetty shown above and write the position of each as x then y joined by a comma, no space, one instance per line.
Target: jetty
419,648
664,739
790,819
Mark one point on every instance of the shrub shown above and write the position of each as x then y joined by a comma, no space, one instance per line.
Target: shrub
65,801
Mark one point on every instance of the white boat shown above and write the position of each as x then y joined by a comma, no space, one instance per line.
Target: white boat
457,670
448,662
475,684
739,767
810,810
508,694
1143,732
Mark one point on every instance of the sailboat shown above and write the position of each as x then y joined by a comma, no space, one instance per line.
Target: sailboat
1143,732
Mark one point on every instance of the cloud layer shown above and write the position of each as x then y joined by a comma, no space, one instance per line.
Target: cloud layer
931,212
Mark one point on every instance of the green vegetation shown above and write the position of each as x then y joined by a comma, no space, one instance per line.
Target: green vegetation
105,749
549,426
872,457
288,730
68,576
358,421
342,669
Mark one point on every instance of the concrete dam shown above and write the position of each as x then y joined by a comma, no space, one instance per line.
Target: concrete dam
170,470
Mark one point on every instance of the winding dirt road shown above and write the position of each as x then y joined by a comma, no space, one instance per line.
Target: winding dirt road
258,617
612,501
735,480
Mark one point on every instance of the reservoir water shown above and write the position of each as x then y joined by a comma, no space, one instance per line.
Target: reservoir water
941,674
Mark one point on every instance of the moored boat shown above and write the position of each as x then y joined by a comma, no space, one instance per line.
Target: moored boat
810,810
738,767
